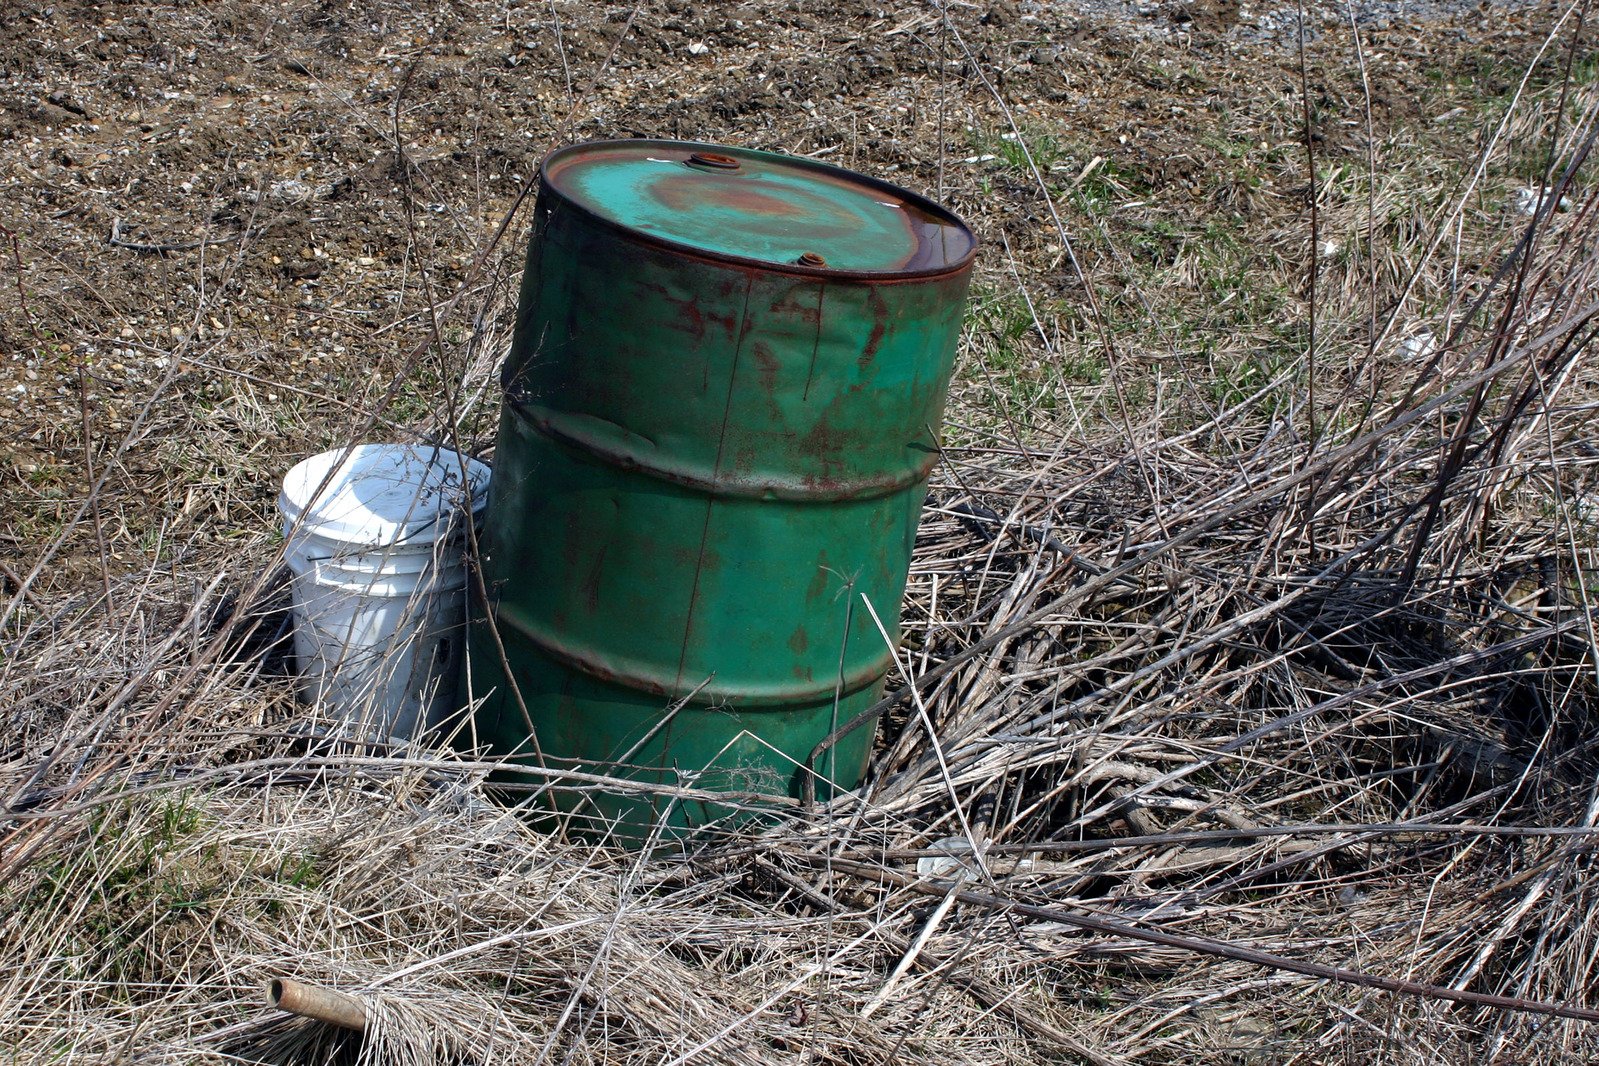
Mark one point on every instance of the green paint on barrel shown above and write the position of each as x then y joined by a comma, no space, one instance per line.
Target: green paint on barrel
721,407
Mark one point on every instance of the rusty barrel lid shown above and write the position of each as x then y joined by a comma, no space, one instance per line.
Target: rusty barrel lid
760,208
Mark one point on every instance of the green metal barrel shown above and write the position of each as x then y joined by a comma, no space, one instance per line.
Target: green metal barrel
721,407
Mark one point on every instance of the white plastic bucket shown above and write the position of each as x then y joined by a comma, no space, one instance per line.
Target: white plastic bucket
375,535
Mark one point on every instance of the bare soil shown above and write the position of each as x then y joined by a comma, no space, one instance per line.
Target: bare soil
230,219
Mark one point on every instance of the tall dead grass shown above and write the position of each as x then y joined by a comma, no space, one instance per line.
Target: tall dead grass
1225,729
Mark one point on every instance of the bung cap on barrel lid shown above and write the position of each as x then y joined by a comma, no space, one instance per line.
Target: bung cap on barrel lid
380,494
775,211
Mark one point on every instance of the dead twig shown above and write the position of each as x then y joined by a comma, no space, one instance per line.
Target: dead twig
116,240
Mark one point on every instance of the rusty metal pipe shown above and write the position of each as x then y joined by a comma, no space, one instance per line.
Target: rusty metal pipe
323,1004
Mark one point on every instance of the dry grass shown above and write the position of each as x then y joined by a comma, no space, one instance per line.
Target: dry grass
1226,638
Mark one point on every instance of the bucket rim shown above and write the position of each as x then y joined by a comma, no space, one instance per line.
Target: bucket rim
381,495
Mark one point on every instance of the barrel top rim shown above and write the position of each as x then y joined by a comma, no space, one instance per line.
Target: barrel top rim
552,166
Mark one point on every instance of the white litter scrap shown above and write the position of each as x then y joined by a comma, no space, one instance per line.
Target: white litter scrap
1418,346
1529,198
951,855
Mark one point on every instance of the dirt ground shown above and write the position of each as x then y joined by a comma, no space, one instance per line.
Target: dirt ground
226,221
